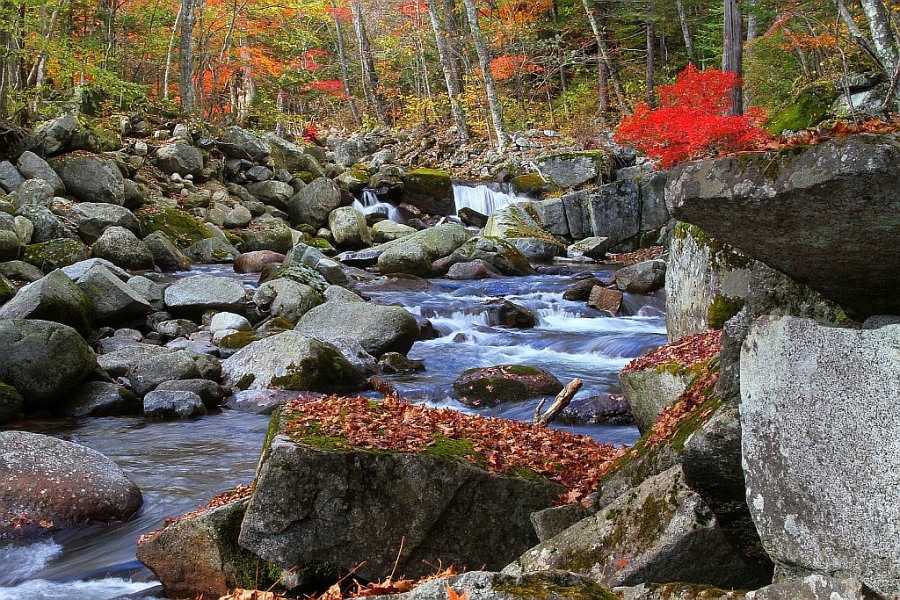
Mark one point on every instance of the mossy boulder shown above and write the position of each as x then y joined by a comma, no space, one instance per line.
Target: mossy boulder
532,184
490,386
415,254
487,585
199,555
497,252
290,361
572,169
54,297
7,289
429,190
122,248
55,254
273,235
806,109
661,532
178,225
11,403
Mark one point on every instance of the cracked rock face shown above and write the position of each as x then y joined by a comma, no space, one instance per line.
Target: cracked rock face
820,449
827,216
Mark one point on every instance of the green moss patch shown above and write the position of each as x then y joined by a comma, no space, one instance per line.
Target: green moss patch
181,227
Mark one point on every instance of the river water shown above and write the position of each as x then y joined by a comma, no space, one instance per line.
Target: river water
179,465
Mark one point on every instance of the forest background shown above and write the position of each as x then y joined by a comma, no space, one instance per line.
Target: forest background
487,67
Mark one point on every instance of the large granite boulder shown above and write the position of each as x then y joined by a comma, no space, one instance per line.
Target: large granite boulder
91,178
49,483
198,555
290,361
703,277
826,215
179,158
124,249
490,386
93,218
55,254
53,136
818,473
286,298
199,293
388,511
240,143
348,226
32,166
312,204
54,298
430,191
415,254
648,391
498,253
575,168
378,329
488,585
659,532
114,301
146,375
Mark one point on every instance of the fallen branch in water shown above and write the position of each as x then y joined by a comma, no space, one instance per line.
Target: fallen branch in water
562,400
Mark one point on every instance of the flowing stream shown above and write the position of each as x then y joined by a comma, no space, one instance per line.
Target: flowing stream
179,465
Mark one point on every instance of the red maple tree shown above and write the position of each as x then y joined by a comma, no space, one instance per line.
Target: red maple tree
692,120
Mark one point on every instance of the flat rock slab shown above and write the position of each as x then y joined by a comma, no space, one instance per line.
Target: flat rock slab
828,216
820,447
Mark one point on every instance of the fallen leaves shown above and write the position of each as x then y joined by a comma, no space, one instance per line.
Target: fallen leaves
686,406
498,445
223,499
688,351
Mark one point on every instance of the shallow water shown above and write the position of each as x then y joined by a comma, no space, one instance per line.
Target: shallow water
179,465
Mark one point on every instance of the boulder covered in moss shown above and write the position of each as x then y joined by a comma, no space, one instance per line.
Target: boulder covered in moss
11,403
54,297
273,236
487,585
660,532
178,225
531,184
124,249
55,254
414,254
499,253
199,554
490,386
386,510
290,361
429,190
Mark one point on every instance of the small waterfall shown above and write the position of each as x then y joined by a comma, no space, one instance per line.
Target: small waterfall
370,204
482,198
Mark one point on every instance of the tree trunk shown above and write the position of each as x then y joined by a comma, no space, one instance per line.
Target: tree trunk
484,58
752,20
651,52
345,65
732,53
186,58
450,78
367,63
169,52
453,29
882,36
607,75
685,30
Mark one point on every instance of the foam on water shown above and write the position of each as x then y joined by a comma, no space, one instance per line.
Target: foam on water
481,198
370,204
97,589
19,562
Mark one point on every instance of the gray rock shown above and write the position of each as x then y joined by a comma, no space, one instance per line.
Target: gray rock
166,255
91,178
211,393
550,522
286,298
388,231
24,229
46,225
285,154
591,247
822,215
29,346
414,254
147,289
10,245
654,212
227,320
238,216
661,532
490,386
176,328
575,168
643,277
290,361
124,249
239,143
179,158
613,211
348,226
17,270
77,271
148,373
650,390
274,236
172,404
114,301
120,361
486,585
34,191
276,193
10,178
313,204
329,270
476,269
93,218
204,292
378,329
212,250
814,587
537,250
54,298
810,394
100,399
700,272
53,136
51,483
500,254
33,166
405,494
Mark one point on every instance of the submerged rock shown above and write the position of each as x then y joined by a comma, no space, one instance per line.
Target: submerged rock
490,386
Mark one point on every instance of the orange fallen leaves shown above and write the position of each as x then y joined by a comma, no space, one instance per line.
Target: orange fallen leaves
498,445
688,351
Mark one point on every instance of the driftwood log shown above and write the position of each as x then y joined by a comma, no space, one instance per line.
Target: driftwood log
562,400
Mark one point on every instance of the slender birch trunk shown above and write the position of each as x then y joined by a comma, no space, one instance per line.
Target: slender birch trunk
345,65
484,58
186,58
370,75
450,78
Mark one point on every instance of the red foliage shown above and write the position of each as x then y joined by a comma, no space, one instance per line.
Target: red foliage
692,120
505,67
688,351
